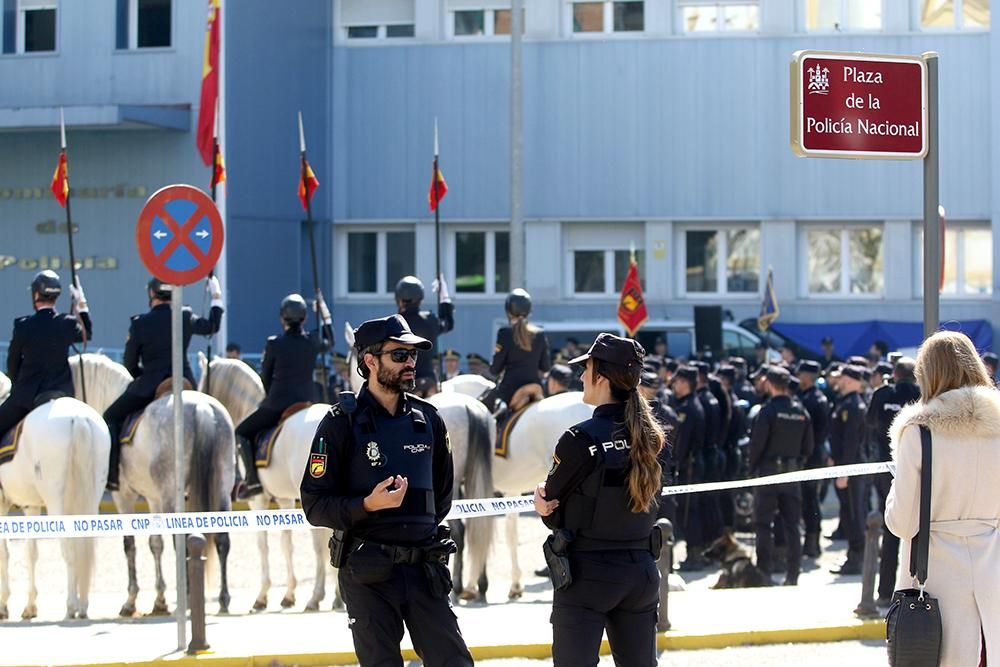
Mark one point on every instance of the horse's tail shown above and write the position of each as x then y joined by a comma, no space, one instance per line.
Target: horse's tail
479,480
207,486
84,488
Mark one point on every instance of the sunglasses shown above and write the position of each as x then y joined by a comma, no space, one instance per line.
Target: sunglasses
401,354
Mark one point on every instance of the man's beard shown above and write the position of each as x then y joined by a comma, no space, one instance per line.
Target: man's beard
393,381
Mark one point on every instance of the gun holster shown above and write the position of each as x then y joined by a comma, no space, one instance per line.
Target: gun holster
556,552
339,543
656,542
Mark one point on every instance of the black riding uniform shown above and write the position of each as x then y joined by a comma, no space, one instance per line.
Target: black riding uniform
781,440
886,403
615,580
818,408
519,366
148,358
688,448
351,453
847,439
427,325
37,360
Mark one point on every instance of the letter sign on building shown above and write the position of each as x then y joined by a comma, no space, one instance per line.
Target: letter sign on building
854,105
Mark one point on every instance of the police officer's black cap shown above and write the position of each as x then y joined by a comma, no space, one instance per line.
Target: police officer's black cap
778,375
826,341
883,368
686,373
671,365
615,350
760,372
866,373
991,358
738,362
476,358
393,328
450,353
853,371
793,383
561,373
702,367
653,363
857,360
728,372
649,379
809,366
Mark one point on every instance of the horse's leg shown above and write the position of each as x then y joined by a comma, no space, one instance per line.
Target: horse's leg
286,550
4,578
156,548
458,534
319,540
516,589
31,609
222,544
259,502
69,559
125,502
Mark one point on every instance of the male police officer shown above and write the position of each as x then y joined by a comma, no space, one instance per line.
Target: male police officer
818,408
688,457
847,445
781,440
37,358
380,474
423,323
716,427
148,357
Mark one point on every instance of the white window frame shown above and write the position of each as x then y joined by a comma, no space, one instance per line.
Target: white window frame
489,23
610,288
721,272
133,27
381,34
719,5
451,242
19,39
845,262
957,25
843,14
381,260
609,21
918,264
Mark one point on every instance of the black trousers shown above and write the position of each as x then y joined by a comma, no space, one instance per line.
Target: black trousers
889,552
689,517
810,507
377,613
711,508
257,421
786,500
857,496
613,591
115,416
10,415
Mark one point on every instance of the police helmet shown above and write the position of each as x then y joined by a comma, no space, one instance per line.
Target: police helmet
293,309
410,290
518,303
158,289
46,285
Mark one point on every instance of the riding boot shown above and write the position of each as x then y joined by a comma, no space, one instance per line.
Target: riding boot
113,461
252,486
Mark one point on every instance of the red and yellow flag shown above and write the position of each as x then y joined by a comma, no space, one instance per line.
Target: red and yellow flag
438,189
631,306
219,170
60,180
307,183
209,83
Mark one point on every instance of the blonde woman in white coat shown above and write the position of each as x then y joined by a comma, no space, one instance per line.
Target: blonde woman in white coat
962,409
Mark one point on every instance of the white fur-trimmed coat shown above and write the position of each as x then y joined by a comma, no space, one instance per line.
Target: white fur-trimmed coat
963,569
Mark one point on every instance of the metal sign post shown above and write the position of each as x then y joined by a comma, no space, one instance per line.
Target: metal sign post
177,382
932,218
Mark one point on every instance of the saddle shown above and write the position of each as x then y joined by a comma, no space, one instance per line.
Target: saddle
131,422
167,386
264,443
505,424
9,440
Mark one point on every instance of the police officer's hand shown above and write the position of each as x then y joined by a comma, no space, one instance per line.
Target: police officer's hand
79,298
443,285
542,506
382,497
214,290
324,311
840,483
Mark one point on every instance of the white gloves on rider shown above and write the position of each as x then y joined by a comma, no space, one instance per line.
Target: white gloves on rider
445,296
324,313
214,290
79,298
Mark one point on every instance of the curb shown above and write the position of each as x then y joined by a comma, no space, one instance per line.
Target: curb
868,629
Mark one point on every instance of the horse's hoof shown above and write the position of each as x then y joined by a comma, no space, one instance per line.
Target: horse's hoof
338,604
287,602
312,605
515,593
82,615
468,594
223,610
159,609
3,614
127,610
259,605
29,613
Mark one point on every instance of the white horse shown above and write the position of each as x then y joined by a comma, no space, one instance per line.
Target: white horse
61,464
147,465
239,389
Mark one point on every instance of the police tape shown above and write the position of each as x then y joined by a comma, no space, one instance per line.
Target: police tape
251,521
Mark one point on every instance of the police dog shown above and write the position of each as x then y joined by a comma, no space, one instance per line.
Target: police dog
738,570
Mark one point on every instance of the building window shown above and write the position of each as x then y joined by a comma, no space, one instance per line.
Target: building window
482,22
29,26
607,17
968,261
954,14
363,20
377,260
837,15
602,272
844,261
707,16
142,24
722,261
482,262
402,30
362,32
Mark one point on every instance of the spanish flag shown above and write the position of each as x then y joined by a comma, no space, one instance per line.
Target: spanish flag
209,83
219,170
60,180
307,183
632,311
438,189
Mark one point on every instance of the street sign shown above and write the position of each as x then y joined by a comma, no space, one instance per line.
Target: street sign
855,105
179,234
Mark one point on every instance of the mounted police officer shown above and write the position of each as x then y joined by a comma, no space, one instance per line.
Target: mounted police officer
380,474
148,357
690,467
600,498
37,360
423,323
847,445
781,440
521,355
286,369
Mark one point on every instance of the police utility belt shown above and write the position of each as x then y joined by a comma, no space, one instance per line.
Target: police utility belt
780,465
561,543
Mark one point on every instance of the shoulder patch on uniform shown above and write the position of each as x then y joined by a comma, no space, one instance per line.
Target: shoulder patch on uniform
317,458
681,416
555,463
498,349
845,415
447,442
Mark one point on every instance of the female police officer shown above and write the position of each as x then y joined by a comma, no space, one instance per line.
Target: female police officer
521,354
600,498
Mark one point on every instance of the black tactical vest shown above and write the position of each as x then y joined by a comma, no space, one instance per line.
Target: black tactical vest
599,510
400,445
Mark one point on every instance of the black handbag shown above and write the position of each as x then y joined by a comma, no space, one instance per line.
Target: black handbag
913,622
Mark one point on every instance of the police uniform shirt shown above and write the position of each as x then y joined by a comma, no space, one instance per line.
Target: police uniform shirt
427,325
667,419
327,499
782,430
148,348
886,403
818,408
519,366
713,415
737,422
286,368
690,431
847,430
37,359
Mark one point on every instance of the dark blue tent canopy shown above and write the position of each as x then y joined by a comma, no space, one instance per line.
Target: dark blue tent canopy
851,338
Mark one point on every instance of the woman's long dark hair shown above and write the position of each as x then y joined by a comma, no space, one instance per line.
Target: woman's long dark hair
524,332
645,434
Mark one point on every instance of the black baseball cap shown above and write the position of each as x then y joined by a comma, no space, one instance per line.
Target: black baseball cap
615,350
561,373
853,371
883,368
702,367
760,372
686,373
990,358
728,372
393,328
809,366
778,375
649,379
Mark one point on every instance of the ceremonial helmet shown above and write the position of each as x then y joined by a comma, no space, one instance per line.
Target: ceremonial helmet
158,289
409,289
518,303
293,309
46,285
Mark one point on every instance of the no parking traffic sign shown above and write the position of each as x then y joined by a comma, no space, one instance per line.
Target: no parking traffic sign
179,234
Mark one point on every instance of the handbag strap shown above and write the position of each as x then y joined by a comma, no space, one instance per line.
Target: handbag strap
920,544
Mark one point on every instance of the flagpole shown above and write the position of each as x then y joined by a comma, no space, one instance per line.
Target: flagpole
215,184
312,254
437,242
72,254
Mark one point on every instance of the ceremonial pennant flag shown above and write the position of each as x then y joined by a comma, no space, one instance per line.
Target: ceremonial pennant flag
438,189
631,306
219,170
60,180
209,83
769,310
307,183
